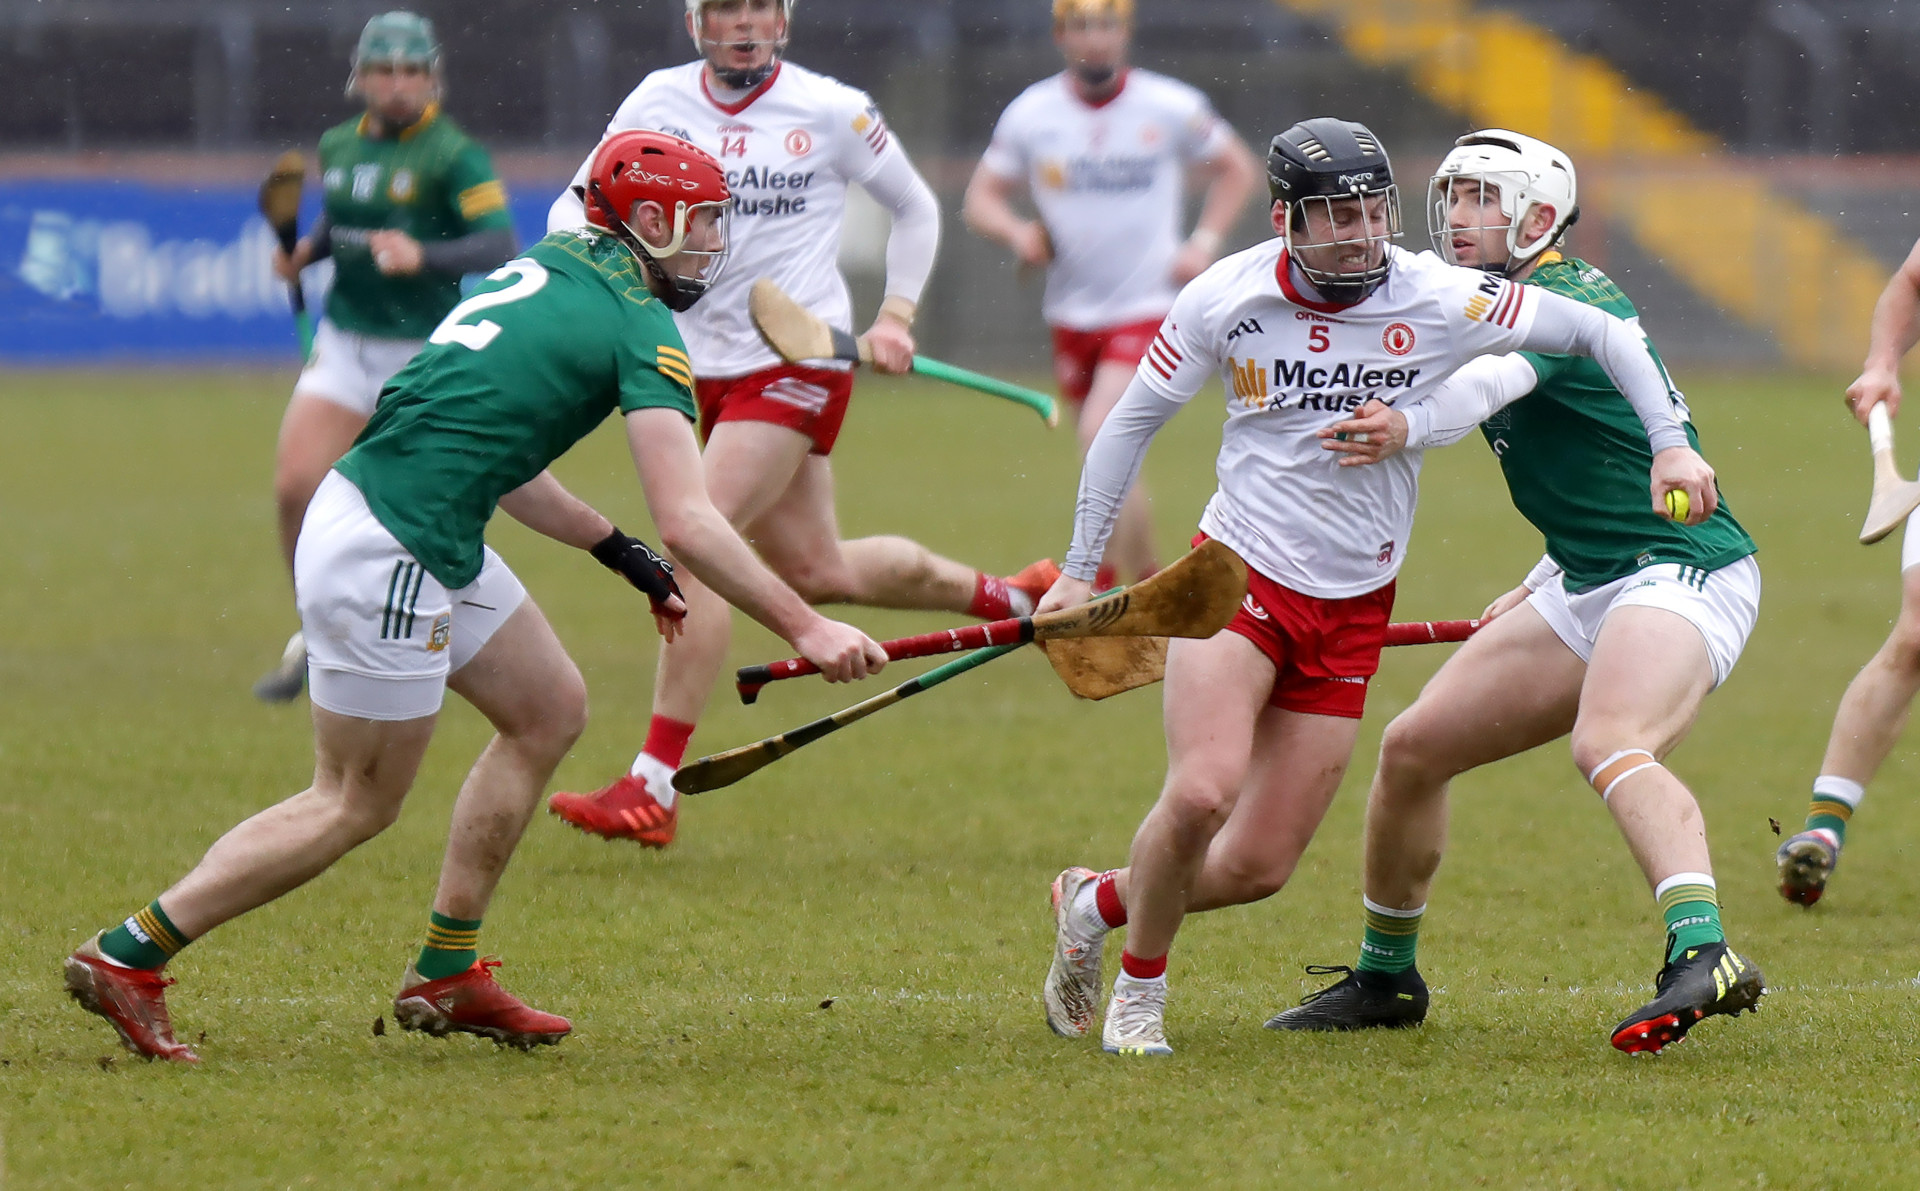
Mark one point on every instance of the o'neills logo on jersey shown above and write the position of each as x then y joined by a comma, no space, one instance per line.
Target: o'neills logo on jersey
1397,339
1495,301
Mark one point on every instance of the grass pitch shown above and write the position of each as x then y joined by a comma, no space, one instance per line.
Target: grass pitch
833,977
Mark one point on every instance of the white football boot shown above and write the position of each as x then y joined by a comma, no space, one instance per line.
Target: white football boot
1073,982
1136,1018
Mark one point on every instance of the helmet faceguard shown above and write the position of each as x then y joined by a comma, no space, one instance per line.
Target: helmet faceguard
395,39
740,80
1524,174
1336,170
636,167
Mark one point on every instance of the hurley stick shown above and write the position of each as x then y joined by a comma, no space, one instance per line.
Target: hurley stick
1893,497
724,769
280,206
798,334
1194,597
1101,667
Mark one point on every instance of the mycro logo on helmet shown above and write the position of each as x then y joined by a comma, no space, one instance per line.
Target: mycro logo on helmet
636,174
1350,179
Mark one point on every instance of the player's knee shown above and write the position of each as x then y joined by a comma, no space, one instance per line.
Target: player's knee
1200,800
1250,878
363,809
557,719
1412,757
1902,649
826,581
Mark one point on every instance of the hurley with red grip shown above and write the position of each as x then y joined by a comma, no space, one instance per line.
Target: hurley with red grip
1194,597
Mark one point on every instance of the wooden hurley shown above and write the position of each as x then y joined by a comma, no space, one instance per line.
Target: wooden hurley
1893,497
798,334
1194,597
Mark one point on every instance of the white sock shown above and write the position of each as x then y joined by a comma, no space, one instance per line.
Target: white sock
1840,789
1019,603
1123,983
1085,909
659,778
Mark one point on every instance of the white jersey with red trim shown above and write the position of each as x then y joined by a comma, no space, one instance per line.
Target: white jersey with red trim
1109,181
1292,366
789,147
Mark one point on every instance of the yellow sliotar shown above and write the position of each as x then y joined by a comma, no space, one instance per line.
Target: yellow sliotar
1677,504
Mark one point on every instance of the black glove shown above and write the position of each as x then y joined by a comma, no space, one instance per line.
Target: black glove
647,571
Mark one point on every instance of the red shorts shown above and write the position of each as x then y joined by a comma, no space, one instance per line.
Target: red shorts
1323,651
812,401
1077,353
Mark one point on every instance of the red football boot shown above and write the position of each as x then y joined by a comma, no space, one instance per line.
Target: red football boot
133,1000
1035,579
625,810
472,1002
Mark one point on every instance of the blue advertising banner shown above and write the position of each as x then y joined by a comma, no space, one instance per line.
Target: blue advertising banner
123,272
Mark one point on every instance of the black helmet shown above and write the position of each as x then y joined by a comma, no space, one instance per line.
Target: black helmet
1323,160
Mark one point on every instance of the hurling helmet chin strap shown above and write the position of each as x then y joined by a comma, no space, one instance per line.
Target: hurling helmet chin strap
677,294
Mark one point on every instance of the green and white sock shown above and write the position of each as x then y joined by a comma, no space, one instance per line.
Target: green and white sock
147,939
452,946
1834,801
1690,903
1388,942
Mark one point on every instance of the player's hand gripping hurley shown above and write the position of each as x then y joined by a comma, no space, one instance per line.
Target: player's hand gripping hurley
798,334
1194,597
280,207
1204,590
1893,497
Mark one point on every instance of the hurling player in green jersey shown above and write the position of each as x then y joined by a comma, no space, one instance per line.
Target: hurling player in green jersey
410,205
1635,614
401,599
1874,710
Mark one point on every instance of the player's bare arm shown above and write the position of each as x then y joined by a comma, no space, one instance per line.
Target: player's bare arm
988,210
667,457
1229,177
1895,329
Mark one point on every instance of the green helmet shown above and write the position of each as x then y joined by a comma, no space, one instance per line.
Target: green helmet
399,38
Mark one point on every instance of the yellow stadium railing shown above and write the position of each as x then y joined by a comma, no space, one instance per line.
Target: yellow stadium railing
1711,219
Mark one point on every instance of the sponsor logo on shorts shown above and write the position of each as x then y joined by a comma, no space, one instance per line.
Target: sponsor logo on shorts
1386,554
1254,609
1358,681
441,634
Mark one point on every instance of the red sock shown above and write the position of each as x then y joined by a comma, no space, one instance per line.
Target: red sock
1106,896
989,598
667,740
1143,969
1107,577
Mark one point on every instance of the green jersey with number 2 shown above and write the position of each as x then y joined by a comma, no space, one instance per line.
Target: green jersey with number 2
526,366
1577,461
433,182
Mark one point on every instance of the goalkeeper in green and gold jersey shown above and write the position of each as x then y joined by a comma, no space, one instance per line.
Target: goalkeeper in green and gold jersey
410,205
1636,612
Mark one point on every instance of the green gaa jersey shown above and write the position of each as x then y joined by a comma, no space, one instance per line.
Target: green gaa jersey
433,182
525,367
1577,461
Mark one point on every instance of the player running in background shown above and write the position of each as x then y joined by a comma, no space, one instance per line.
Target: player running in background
410,205
1261,718
1104,152
1615,638
401,598
792,141
1874,710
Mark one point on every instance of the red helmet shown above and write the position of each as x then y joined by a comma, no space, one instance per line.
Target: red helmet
643,166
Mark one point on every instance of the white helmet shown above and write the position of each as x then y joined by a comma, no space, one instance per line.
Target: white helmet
742,80
1528,173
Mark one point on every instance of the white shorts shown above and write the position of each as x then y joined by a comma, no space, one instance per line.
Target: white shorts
382,634
1722,604
349,369
1910,542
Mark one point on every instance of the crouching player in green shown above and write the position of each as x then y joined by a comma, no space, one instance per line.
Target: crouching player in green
1615,638
400,598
